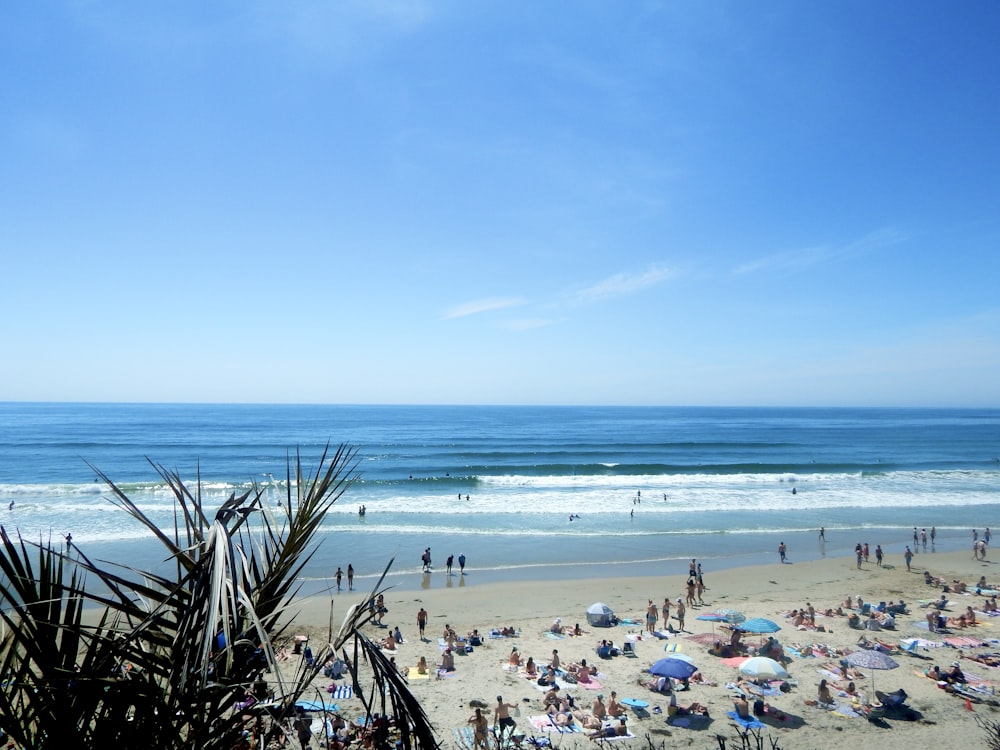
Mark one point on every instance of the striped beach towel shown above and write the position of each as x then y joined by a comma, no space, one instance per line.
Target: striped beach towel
340,692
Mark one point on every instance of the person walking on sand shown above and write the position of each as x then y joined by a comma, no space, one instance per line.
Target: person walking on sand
822,534
422,622
501,716
782,551
350,577
878,555
448,563
340,575
461,563
908,556
681,611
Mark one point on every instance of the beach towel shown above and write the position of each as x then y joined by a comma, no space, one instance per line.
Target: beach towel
544,723
963,641
413,674
627,621
592,684
909,644
672,647
554,636
846,710
316,706
465,737
340,692
609,735
762,691
705,639
750,723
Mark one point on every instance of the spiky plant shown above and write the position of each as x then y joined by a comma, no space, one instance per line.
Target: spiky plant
98,654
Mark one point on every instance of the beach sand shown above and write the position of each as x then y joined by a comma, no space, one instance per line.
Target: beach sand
768,591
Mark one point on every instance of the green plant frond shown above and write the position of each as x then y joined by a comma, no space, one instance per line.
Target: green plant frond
167,656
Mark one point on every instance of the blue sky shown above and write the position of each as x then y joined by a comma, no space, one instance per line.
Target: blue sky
501,202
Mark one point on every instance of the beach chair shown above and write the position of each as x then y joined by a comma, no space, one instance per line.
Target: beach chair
628,649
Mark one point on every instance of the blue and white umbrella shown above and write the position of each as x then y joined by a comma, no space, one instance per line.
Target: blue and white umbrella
759,625
763,668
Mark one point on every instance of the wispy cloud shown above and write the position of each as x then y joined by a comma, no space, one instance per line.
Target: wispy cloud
623,284
480,306
794,260
526,324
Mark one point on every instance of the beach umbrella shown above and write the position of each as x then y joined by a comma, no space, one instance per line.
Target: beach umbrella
679,655
763,668
678,669
759,625
600,615
712,617
732,616
871,659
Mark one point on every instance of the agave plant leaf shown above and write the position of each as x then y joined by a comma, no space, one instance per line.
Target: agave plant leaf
95,653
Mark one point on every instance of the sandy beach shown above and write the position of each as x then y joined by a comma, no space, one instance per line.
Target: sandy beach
769,591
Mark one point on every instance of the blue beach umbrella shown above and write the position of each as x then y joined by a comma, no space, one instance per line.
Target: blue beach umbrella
678,669
711,617
759,625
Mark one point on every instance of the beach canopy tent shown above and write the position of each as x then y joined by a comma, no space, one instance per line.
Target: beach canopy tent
600,615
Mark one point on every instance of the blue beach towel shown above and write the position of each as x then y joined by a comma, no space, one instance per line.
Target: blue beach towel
316,706
341,692
745,723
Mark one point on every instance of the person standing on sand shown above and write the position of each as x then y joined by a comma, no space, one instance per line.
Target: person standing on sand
933,534
501,716
350,577
339,575
651,616
878,555
822,534
681,611
908,556
480,730
666,613
422,622
461,563
782,550
448,563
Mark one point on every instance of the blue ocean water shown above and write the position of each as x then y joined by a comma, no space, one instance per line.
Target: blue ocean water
647,488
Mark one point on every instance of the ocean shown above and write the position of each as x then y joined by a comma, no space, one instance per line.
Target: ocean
523,492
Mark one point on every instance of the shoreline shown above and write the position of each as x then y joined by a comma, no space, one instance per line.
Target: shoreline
803,548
